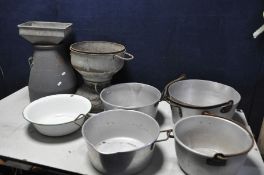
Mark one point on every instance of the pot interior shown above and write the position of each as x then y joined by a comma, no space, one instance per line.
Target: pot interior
130,95
120,131
203,93
97,47
56,109
208,135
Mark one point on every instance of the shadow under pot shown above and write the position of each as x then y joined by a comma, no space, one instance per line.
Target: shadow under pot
208,145
131,96
120,141
195,97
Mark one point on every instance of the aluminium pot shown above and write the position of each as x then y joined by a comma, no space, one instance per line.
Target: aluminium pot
194,97
98,61
208,145
131,96
120,141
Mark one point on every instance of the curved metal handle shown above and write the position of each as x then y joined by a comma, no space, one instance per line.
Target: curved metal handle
176,106
78,117
164,95
168,135
225,107
130,56
232,120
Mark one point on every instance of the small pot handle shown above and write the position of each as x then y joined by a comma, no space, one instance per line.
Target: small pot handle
176,106
164,95
79,116
227,106
127,57
168,135
218,160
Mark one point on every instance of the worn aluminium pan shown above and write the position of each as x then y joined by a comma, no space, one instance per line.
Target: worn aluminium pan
208,145
193,97
131,96
120,141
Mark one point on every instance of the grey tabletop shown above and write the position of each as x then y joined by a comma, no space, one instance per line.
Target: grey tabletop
20,141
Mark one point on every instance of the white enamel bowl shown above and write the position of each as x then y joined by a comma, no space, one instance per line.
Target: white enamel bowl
57,115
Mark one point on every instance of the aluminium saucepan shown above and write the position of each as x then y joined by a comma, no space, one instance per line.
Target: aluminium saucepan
208,145
131,96
193,97
120,141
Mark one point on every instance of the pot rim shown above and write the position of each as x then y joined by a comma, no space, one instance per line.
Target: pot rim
188,105
96,53
219,118
129,107
121,152
51,96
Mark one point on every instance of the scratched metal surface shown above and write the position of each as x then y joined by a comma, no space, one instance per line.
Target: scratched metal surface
21,141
